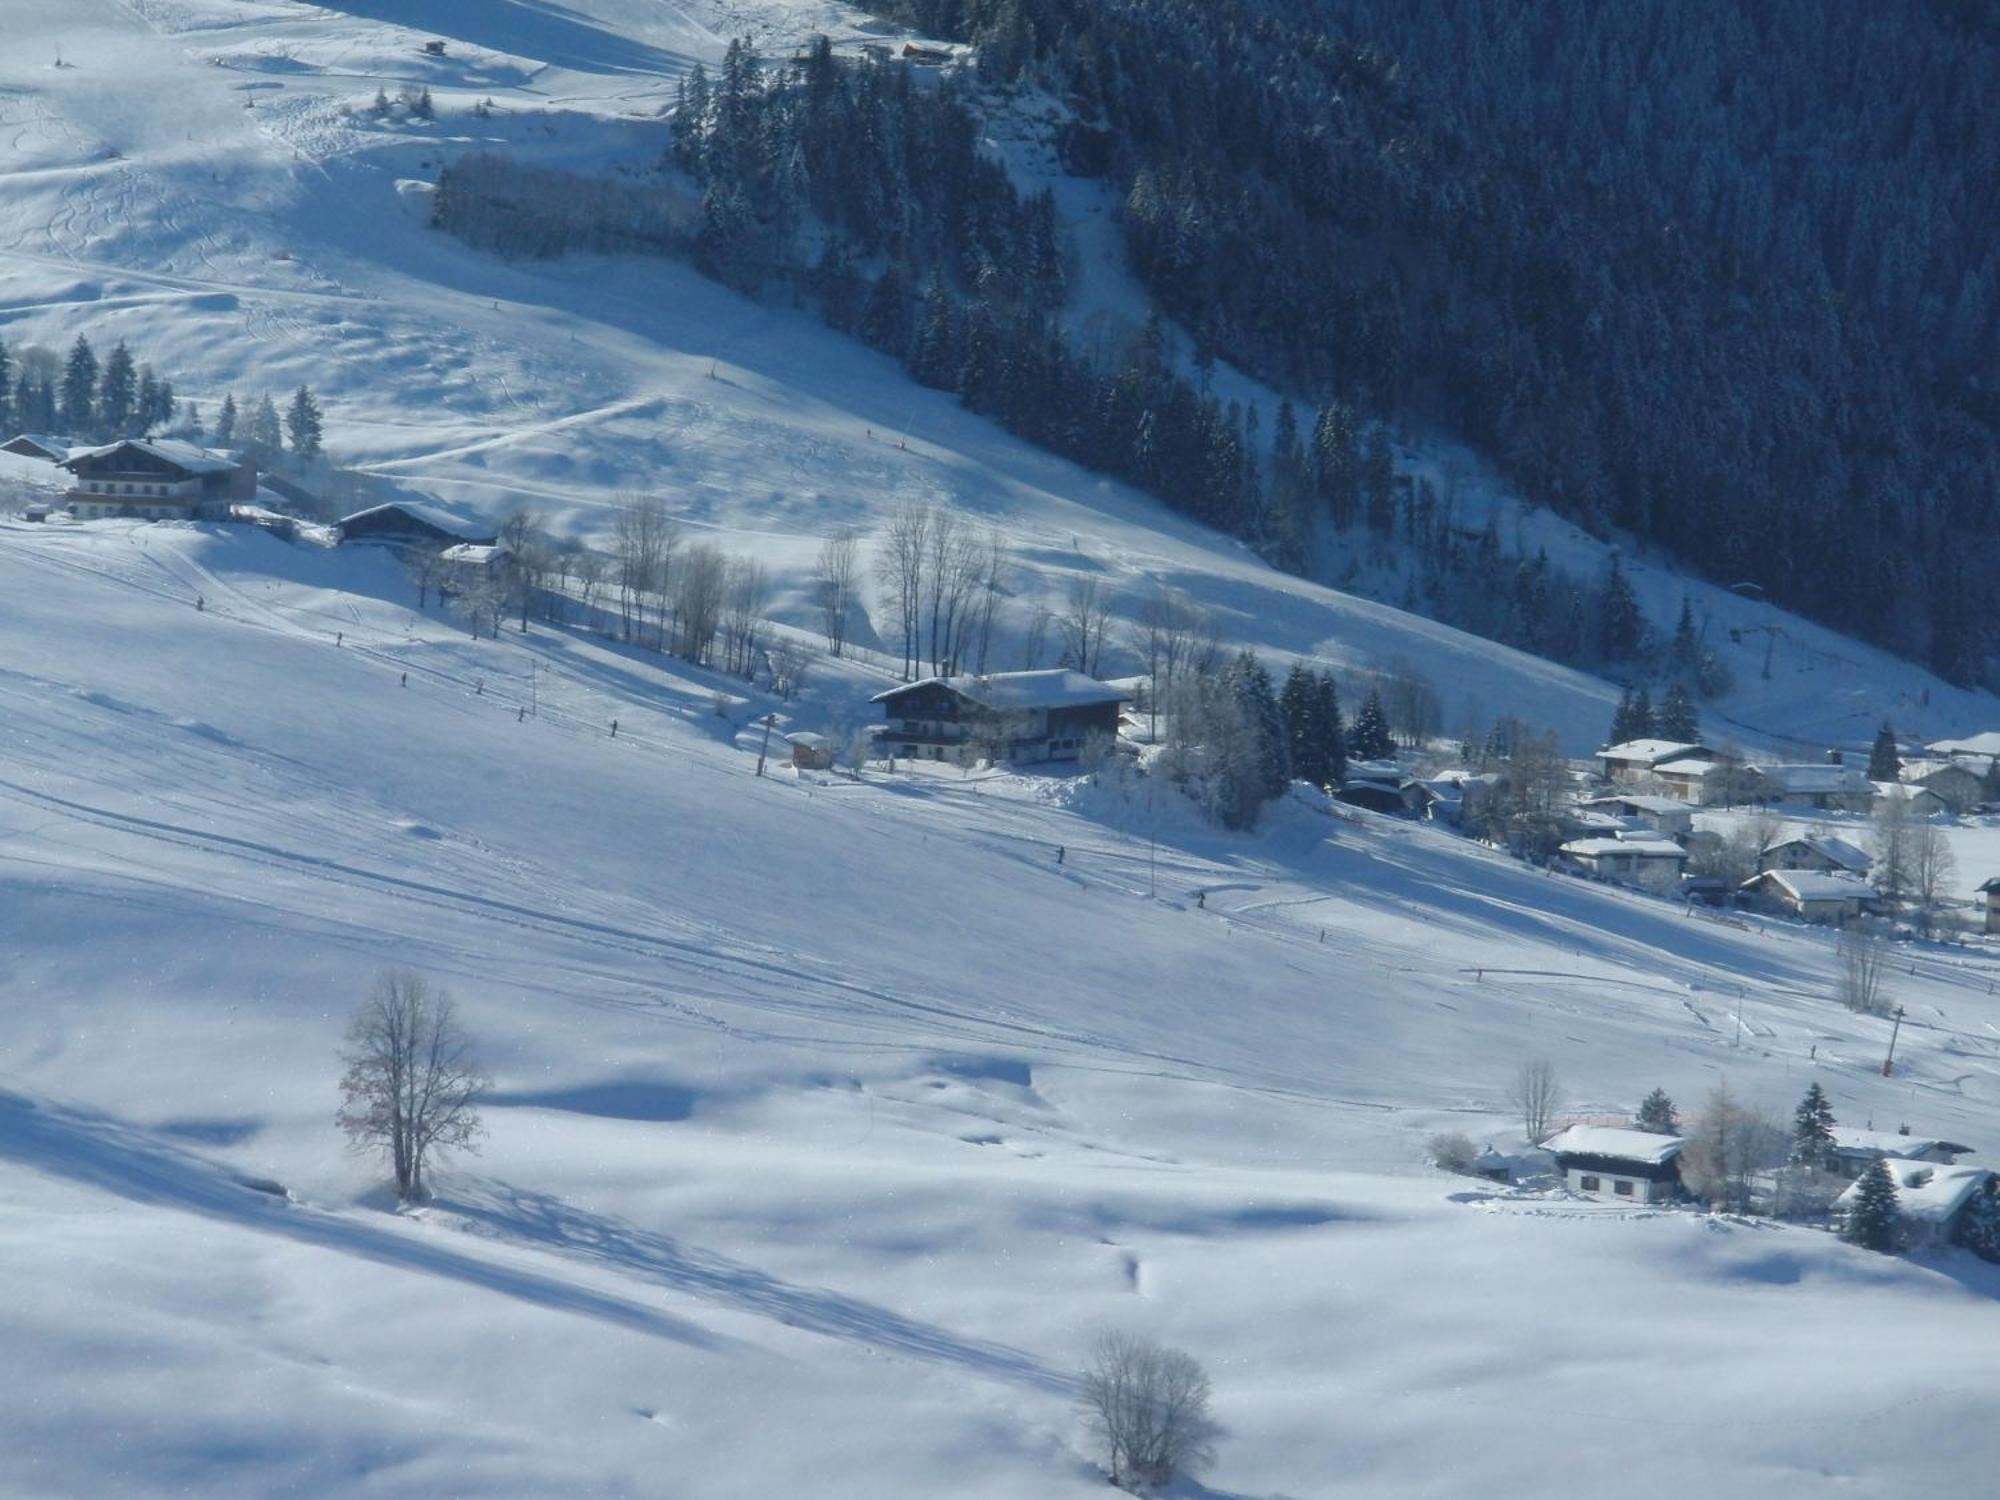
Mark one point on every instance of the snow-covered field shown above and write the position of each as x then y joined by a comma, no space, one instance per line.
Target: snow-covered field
830,1116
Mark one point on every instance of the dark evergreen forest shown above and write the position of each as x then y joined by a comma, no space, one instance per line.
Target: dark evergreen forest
1725,274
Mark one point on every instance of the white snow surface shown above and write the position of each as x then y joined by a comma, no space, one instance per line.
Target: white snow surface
829,1116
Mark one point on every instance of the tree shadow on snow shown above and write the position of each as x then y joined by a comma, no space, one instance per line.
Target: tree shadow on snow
548,1223
101,1152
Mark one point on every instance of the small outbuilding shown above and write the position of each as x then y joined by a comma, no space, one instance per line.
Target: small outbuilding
38,445
1609,1161
810,752
1991,891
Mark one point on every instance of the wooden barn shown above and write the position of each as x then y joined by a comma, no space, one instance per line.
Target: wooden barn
410,523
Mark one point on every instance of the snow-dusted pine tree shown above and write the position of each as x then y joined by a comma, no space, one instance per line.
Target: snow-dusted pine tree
1870,1220
1656,1114
1812,1130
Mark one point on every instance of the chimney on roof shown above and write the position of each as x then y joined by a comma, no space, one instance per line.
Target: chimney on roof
1833,757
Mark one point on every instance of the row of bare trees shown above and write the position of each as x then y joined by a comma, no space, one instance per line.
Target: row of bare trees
941,587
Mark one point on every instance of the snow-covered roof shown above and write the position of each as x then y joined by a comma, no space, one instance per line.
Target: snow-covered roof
1003,692
1642,803
808,739
1648,752
1387,772
1818,885
474,554
1814,779
1917,771
1984,745
1837,850
430,515
1898,791
55,447
1615,1141
1891,1142
1645,848
183,455
1687,768
1927,1191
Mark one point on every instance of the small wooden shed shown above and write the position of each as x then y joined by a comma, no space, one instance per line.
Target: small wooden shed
810,752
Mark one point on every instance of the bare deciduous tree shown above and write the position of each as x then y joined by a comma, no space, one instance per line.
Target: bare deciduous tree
1727,1144
1862,967
412,1087
899,564
1932,868
1534,1095
1895,840
1148,1406
698,601
746,591
1171,635
836,584
790,662
1085,621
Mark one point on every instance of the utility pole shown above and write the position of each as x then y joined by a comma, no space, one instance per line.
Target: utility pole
769,721
1889,1062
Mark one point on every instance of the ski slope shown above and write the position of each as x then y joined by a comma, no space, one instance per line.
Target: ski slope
234,209
831,1115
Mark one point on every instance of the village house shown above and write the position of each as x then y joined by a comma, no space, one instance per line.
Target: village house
1016,716
1463,797
1694,780
1385,787
156,479
409,523
1642,859
1952,782
1810,895
1634,762
810,752
1978,752
1921,801
1930,1200
1854,1148
1991,891
1831,788
38,445
1666,815
466,563
1610,1161
1815,851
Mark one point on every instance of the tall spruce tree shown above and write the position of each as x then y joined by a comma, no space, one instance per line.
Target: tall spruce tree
1259,705
1656,1114
1298,700
1619,621
225,420
1871,1217
79,390
1644,725
265,438
1621,718
1812,1131
1371,739
1679,719
1979,1229
1885,763
118,393
1334,730
302,425
9,419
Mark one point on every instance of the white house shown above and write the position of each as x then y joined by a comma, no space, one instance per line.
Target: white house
1991,891
1978,751
1930,1200
1665,815
1635,760
1853,1149
1693,779
1843,788
1815,851
1642,859
1922,801
1956,784
1810,895
1610,1161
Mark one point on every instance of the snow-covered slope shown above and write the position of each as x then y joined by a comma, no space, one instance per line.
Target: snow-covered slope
829,1116
206,179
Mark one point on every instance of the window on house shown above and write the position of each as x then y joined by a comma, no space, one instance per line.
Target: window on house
1622,1189
1591,1185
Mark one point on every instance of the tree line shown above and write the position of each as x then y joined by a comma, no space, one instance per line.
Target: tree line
1717,276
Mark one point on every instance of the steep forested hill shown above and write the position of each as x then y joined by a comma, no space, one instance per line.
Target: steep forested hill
1722,274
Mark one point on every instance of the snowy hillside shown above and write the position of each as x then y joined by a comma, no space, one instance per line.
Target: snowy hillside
246,222
829,1115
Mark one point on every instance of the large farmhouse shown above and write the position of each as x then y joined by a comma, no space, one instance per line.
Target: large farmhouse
1017,716
156,479
1611,1161
408,523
